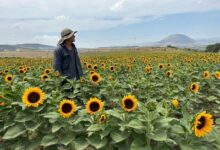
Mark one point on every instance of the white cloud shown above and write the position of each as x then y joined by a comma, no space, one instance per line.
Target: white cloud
117,5
46,39
61,17
26,19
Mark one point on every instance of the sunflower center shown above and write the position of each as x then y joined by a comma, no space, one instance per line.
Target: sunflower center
193,87
95,78
66,108
102,118
94,106
45,77
129,104
202,123
33,97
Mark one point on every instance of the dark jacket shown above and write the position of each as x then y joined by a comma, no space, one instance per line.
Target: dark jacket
62,62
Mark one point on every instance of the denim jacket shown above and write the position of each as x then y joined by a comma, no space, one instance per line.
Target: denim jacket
62,62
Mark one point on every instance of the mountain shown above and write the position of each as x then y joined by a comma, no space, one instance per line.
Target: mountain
177,40
31,46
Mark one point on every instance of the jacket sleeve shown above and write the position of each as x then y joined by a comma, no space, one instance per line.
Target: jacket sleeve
57,61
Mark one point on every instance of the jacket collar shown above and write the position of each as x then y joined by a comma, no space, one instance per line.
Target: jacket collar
65,50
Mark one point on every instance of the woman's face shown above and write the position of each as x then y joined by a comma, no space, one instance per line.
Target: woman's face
71,39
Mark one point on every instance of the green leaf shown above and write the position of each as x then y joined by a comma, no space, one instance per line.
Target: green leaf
164,122
81,143
52,115
139,143
49,140
115,114
218,121
212,98
178,129
38,109
136,124
32,145
118,136
14,131
96,141
56,126
94,127
23,116
159,135
8,123
105,132
32,125
67,139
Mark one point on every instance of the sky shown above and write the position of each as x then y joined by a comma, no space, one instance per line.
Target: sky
107,22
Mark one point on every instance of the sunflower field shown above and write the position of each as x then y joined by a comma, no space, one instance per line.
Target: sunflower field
124,101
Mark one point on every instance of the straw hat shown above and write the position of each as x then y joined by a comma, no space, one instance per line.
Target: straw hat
66,34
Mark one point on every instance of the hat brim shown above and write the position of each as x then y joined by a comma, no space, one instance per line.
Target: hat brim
66,37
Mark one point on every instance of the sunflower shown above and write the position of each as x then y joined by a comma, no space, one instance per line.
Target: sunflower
6,71
91,72
95,77
21,71
175,103
194,87
95,67
206,74
110,78
112,68
129,103
169,66
67,108
1,73
89,66
169,73
203,124
102,118
129,67
160,66
56,73
103,67
2,103
217,75
82,79
21,67
148,69
44,77
46,71
94,105
33,97
25,79
8,78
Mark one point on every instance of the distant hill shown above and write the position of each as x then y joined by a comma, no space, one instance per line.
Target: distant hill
177,40
26,47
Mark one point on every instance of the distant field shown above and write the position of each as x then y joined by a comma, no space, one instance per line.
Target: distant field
27,54
47,54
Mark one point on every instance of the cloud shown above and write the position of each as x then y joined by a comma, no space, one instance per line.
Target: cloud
41,19
117,5
46,39
61,17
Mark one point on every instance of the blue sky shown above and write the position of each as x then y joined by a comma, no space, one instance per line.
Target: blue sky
196,25
107,22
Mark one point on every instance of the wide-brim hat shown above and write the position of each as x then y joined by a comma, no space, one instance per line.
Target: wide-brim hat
66,34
